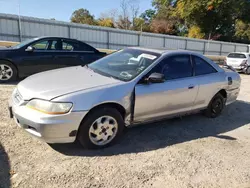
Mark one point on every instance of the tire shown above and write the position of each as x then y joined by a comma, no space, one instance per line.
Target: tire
99,125
215,107
8,72
248,71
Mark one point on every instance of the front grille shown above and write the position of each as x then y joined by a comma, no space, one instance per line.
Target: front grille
17,97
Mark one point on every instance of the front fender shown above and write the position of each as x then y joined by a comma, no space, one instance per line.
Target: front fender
87,99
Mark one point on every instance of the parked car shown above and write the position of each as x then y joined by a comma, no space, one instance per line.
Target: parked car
42,54
239,61
135,85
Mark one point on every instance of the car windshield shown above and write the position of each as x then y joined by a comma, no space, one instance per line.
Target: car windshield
22,44
124,65
237,55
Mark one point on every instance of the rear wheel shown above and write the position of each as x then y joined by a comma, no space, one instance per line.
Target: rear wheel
8,72
216,106
101,128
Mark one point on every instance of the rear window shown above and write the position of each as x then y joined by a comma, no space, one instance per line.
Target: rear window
237,55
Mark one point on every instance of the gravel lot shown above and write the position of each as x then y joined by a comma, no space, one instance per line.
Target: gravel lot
190,152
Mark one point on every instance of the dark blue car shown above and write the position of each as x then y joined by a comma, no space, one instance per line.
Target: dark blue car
42,54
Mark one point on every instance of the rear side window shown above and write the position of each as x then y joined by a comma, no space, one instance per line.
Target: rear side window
87,48
68,45
237,55
202,67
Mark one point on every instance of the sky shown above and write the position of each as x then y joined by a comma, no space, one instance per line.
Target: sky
62,9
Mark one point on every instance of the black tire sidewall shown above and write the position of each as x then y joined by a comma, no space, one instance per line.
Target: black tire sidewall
209,112
83,132
248,69
14,76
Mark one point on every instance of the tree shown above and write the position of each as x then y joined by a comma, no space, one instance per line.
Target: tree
134,7
163,26
213,17
165,21
141,25
83,16
195,32
242,31
106,22
123,23
163,3
148,15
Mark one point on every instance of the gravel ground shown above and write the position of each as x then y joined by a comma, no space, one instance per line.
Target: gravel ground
190,152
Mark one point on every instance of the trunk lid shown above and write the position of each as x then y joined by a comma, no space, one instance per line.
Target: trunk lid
236,59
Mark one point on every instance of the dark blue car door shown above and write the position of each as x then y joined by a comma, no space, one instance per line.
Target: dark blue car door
42,58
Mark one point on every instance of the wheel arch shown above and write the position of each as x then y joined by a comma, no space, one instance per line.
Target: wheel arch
114,105
223,92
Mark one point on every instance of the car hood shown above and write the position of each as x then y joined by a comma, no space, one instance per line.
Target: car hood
51,84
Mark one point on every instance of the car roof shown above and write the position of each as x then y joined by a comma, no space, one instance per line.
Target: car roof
245,53
54,37
162,51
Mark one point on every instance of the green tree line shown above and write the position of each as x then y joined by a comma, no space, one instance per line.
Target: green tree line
225,20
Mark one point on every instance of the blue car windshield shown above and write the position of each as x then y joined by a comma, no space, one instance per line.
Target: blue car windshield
22,44
124,65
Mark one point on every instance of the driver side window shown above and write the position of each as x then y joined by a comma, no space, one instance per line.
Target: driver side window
174,67
41,45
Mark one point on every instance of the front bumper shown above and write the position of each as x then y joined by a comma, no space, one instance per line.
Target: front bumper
50,128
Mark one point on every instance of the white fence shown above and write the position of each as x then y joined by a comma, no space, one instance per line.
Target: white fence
102,37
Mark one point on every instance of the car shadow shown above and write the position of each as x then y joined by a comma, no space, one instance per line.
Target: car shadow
162,134
4,168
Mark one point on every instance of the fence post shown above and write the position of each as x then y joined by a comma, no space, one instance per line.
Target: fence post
108,40
235,47
139,40
204,48
164,42
186,44
19,29
248,48
221,45
69,34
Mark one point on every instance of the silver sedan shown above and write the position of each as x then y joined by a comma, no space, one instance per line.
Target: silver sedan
93,104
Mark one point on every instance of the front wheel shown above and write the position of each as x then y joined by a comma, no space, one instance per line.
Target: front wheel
8,72
248,71
101,128
216,106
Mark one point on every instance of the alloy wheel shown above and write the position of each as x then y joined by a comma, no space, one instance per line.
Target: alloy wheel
6,72
103,130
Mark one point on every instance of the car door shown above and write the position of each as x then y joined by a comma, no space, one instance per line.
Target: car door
68,54
41,58
208,79
176,95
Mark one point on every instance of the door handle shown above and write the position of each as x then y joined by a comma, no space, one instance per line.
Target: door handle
191,87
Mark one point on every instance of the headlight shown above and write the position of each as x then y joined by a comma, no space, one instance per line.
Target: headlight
48,107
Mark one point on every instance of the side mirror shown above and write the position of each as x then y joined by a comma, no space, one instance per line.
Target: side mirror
156,78
30,49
